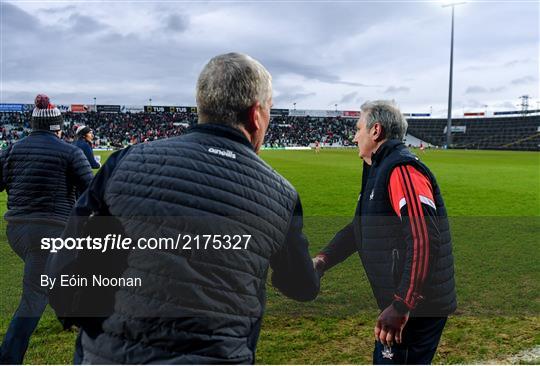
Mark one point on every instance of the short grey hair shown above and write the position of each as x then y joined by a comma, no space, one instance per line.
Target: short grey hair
388,115
228,86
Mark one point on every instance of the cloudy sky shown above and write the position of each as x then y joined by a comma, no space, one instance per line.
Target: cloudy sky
319,53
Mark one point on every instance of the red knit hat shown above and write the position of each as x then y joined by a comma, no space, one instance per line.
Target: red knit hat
45,115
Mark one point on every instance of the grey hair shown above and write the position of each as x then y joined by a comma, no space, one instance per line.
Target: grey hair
228,86
388,115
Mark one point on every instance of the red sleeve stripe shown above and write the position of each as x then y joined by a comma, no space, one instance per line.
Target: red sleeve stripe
420,237
417,219
422,222
414,230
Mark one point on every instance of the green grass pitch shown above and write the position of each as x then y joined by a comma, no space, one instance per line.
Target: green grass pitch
493,199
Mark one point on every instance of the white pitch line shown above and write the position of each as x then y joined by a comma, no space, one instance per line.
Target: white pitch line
531,355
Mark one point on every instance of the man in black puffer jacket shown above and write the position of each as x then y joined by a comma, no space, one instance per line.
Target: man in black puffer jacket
401,231
200,302
42,175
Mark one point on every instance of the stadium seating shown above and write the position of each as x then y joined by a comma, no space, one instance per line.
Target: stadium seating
496,133
117,130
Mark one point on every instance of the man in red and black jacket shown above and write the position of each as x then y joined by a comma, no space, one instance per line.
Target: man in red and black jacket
401,231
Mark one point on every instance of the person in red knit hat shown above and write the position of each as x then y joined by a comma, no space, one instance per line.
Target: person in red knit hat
42,175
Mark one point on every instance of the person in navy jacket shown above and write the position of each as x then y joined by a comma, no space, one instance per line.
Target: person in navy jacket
42,175
85,136
195,305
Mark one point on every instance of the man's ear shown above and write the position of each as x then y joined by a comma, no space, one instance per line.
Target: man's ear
254,118
378,132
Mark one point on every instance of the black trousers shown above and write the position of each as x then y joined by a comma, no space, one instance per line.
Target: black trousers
420,340
25,240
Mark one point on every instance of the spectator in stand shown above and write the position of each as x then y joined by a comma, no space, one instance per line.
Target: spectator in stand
85,137
119,130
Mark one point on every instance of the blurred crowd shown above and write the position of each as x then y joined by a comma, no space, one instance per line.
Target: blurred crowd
117,130
303,131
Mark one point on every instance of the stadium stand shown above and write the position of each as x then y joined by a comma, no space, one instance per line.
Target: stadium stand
117,130
303,131
494,133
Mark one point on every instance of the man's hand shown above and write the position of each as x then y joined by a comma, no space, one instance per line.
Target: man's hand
319,264
390,326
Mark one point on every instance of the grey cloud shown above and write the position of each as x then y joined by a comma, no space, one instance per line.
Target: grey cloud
397,89
505,105
361,100
347,98
295,40
181,97
524,80
486,66
352,83
21,96
176,23
315,18
85,24
471,103
359,16
277,67
17,19
61,9
516,62
287,98
475,68
152,70
475,89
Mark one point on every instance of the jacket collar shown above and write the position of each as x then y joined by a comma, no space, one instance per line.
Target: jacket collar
221,131
43,132
84,141
384,150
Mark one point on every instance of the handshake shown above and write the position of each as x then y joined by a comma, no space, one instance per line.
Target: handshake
390,323
319,264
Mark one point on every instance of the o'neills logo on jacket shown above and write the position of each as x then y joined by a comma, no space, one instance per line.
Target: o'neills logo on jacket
227,153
